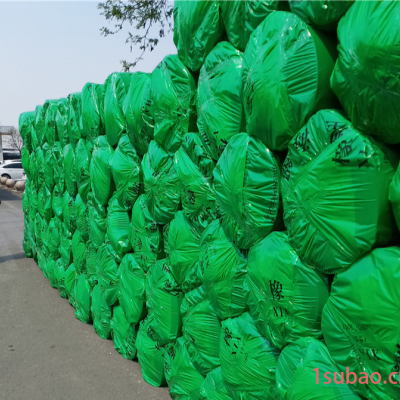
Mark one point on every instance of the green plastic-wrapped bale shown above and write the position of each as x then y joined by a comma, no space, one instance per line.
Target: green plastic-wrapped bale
146,236
57,164
223,270
33,200
163,301
118,228
123,334
335,190
50,109
127,174
66,247
45,238
97,221
69,212
359,324
322,14
108,274
101,313
62,121
370,96
286,297
57,202
69,170
296,377
198,27
138,112
91,264
100,171
34,169
92,123
151,356
45,203
116,88
242,17
219,104
38,232
82,218
40,167
286,71
70,284
40,125
247,182
182,246
74,118
26,125
82,298
50,272
79,252
201,331
132,289
184,380
173,91
59,278
49,168
160,184
394,196
213,387
54,237
195,172
248,361
83,156
25,161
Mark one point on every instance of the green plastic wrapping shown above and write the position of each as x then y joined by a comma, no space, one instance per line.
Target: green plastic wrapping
70,284
198,27
163,301
26,126
59,278
223,270
286,71
151,356
91,264
146,236
100,171
173,91
201,331
286,297
69,213
359,321
40,167
137,108
45,237
242,17
118,229
62,121
83,156
82,299
82,218
219,104
54,237
213,387
183,379
74,118
66,247
34,168
50,109
57,163
182,246
195,172
161,184
48,168
368,36
38,231
45,203
26,244
57,202
335,190
26,197
101,313
116,88
247,182
394,196
126,172
33,201
123,334
42,262
320,13
97,221
92,123
132,289
25,161
69,170
32,234
248,361
296,378
50,272
79,252
107,274
40,125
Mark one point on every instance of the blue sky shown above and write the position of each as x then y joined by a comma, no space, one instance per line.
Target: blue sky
50,49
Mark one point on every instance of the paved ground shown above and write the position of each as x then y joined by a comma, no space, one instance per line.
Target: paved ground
45,352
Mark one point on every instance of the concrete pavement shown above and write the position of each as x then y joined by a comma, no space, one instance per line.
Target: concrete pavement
45,352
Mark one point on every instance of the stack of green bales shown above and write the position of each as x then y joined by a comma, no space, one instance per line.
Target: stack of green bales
226,219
